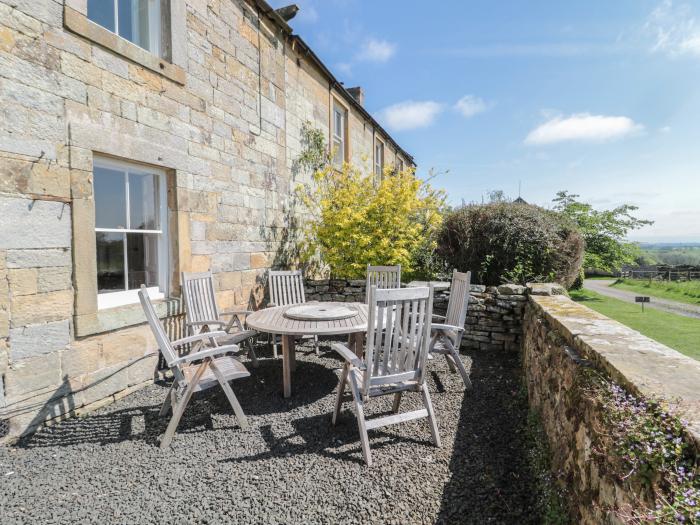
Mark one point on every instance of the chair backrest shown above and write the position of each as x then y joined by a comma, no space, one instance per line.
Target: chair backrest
383,277
398,335
200,299
162,339
286,287
459,298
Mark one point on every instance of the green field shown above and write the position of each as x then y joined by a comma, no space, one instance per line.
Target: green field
678,332
683,292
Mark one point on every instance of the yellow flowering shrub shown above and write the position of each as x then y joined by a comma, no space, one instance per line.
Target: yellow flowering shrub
356,220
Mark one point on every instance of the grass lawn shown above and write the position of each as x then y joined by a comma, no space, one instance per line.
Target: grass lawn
678,332
685,292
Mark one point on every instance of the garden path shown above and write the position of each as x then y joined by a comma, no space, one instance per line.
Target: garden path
603,287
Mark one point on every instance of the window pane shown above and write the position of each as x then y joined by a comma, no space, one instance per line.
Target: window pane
139,22
142,256
143,201
110,262
102,12
110,198
338,154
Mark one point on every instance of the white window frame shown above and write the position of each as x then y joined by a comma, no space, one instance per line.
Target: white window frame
339,140
154,25
126,297
379,152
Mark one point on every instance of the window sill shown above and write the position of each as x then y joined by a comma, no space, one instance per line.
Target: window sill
81,25
123,316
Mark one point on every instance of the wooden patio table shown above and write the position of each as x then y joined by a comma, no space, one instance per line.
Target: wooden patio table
274,321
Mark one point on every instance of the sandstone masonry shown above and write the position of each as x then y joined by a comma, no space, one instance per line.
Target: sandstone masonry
220,113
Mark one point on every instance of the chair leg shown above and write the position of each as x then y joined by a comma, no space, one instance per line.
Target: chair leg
179,409
450,362
360,414
168,401
232,399
463,371
431,416
318,352
251,353
274,345
341,391
397,402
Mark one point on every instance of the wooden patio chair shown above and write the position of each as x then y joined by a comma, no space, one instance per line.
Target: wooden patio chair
195,371
446,337
383,277
396,351
202,313
286,288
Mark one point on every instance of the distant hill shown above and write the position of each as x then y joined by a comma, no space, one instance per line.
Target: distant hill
673,254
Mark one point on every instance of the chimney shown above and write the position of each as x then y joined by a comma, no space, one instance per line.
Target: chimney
358,94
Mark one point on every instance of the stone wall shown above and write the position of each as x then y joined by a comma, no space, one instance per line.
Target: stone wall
221,116
564,343
493,318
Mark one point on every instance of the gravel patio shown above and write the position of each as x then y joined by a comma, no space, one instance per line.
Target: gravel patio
292,466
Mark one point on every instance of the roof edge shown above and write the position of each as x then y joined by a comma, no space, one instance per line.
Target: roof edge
265,8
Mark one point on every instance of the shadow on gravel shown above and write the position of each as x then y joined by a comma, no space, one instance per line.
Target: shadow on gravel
260,394
490,480
316,436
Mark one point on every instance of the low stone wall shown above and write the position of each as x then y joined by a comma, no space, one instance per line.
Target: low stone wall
494,316
565,345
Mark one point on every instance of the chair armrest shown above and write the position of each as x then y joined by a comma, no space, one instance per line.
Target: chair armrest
237,312
438,316
207,322
271,305
199,337
203,354
446,327
348,355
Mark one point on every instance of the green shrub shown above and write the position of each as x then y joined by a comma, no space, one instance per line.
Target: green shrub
506,242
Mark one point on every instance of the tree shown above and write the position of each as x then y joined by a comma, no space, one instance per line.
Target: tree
604,231
356,220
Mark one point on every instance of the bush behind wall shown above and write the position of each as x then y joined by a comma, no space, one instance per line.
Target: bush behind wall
511,242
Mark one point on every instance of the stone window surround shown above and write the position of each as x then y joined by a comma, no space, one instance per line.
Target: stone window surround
75,19
336,100
380,167
88,319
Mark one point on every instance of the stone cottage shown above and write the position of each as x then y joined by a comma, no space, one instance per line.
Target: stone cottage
139,139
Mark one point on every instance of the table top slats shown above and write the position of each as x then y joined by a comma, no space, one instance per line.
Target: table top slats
273,320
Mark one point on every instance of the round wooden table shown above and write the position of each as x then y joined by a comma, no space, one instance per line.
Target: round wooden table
273,321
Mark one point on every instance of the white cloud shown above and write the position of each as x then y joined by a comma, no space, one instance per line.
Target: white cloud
410,114
582,127
469,105
374,50
674,29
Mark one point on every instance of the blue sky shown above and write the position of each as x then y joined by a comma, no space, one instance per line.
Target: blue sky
598,97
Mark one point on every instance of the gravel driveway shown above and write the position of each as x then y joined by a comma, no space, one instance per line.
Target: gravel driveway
602,286
291,466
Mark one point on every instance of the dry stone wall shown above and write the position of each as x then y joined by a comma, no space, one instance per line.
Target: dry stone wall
494,316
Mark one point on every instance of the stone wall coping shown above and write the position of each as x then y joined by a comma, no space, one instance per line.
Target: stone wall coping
645,367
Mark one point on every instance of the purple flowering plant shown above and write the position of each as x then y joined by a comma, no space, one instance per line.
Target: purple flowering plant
648,440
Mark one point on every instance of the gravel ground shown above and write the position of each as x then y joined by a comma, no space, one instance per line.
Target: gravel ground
291,466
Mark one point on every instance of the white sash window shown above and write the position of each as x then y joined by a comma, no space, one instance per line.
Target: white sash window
130,230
